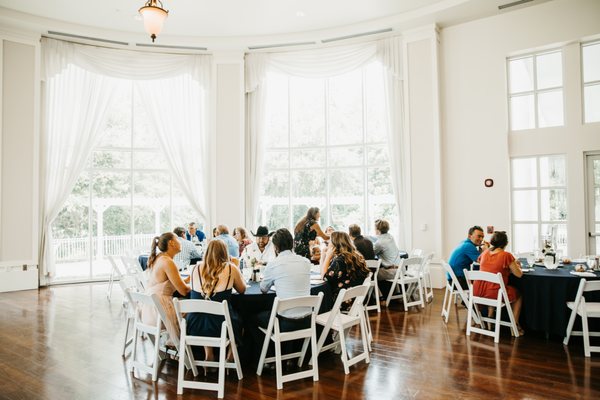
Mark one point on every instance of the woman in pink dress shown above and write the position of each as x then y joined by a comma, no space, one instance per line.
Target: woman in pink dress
495,260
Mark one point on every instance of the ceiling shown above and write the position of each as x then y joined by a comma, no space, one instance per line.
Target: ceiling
228,19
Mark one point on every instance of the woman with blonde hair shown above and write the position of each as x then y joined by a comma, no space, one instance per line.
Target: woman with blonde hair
344,266
164,280
213,279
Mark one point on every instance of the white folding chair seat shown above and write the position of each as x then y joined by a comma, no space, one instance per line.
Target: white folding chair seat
373,266
134,269
153,331
223,342
499,303
273,333
454,289
406,280
341,323
426,277
585,310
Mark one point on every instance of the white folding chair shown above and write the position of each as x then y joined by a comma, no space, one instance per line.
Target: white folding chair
585,310
225,340
115,275
130,310
426,277
273,333
498,303
373,266
368,282
341,323
134,269
406,280
153,331
454,289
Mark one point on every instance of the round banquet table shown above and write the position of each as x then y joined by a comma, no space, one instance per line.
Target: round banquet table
545,295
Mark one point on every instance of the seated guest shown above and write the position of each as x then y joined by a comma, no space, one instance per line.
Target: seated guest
213,279
495,260
385,248
194,231
262,250
344,266
315,254
240,235
232,245
306,230
215,232
164,280
188,250
290,273
364,246
465,253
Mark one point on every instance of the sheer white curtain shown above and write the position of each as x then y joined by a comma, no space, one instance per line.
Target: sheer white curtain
76,102
75,105
326,63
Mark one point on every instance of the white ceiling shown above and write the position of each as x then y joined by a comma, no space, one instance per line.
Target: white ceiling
231,23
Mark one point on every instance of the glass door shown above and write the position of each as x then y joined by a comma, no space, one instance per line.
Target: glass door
593,203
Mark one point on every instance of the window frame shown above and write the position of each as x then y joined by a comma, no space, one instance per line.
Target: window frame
585,84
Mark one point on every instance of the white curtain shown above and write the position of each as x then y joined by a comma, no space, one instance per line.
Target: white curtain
175,89
326,63
76,102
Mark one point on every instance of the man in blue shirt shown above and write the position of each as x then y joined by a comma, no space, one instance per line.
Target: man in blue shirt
233,246
194,231
465,253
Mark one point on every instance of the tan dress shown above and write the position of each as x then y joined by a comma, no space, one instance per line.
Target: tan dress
165,291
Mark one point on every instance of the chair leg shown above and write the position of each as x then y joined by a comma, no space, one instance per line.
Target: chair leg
181,371
126,336
156,357
469,318
315,355
303,352
402,286
390,294
278,366
263,353
447,298
497,327
344,351
365,338
377,294
222,356
570,327
586,335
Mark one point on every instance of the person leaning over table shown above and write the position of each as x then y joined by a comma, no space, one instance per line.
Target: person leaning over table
194,231
386,249
364,246
188,250
307,229
164,280
495,260
466,253
262,250
213,279
232,245
344,267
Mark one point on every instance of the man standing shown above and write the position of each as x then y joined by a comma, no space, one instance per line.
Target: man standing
188,250
194,231
262,250
364,246
232,245
465,253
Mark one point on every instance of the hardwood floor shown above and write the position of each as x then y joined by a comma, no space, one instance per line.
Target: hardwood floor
64,343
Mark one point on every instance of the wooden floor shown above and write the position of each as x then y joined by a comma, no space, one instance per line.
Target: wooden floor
64,343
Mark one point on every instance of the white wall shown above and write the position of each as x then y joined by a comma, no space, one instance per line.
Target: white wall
475,139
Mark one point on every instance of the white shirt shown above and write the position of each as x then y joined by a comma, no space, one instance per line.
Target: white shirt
290,273
188,251
252,251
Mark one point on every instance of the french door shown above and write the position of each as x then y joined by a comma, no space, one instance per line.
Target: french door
593,202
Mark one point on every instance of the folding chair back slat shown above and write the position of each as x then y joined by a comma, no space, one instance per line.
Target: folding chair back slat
585,310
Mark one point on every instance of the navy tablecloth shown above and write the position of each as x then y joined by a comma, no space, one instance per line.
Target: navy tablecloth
545,295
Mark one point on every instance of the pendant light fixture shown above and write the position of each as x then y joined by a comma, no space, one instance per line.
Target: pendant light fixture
154,16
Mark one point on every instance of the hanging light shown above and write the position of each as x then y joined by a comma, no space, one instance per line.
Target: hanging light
154,16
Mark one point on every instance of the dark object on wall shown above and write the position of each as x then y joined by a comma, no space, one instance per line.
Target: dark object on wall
489,182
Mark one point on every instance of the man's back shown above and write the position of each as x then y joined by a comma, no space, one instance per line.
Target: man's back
364,247
188,251
462,257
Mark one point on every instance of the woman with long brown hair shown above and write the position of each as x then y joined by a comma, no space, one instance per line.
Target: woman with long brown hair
307,229
213,279
240,235
344,266
164,280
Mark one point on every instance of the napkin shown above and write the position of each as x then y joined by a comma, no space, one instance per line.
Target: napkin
527,269
588,274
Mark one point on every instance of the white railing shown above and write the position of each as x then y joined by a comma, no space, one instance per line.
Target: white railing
78,249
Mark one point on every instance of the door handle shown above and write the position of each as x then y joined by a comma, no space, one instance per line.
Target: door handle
593,234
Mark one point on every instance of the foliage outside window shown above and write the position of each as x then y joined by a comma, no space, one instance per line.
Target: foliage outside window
327,147
539,203
123,198
590,55
535,91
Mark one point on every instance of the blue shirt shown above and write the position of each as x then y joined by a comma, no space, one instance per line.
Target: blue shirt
462,257
199,234
233,246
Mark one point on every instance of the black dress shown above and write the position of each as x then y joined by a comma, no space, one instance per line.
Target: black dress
302,239
201,324
338,276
